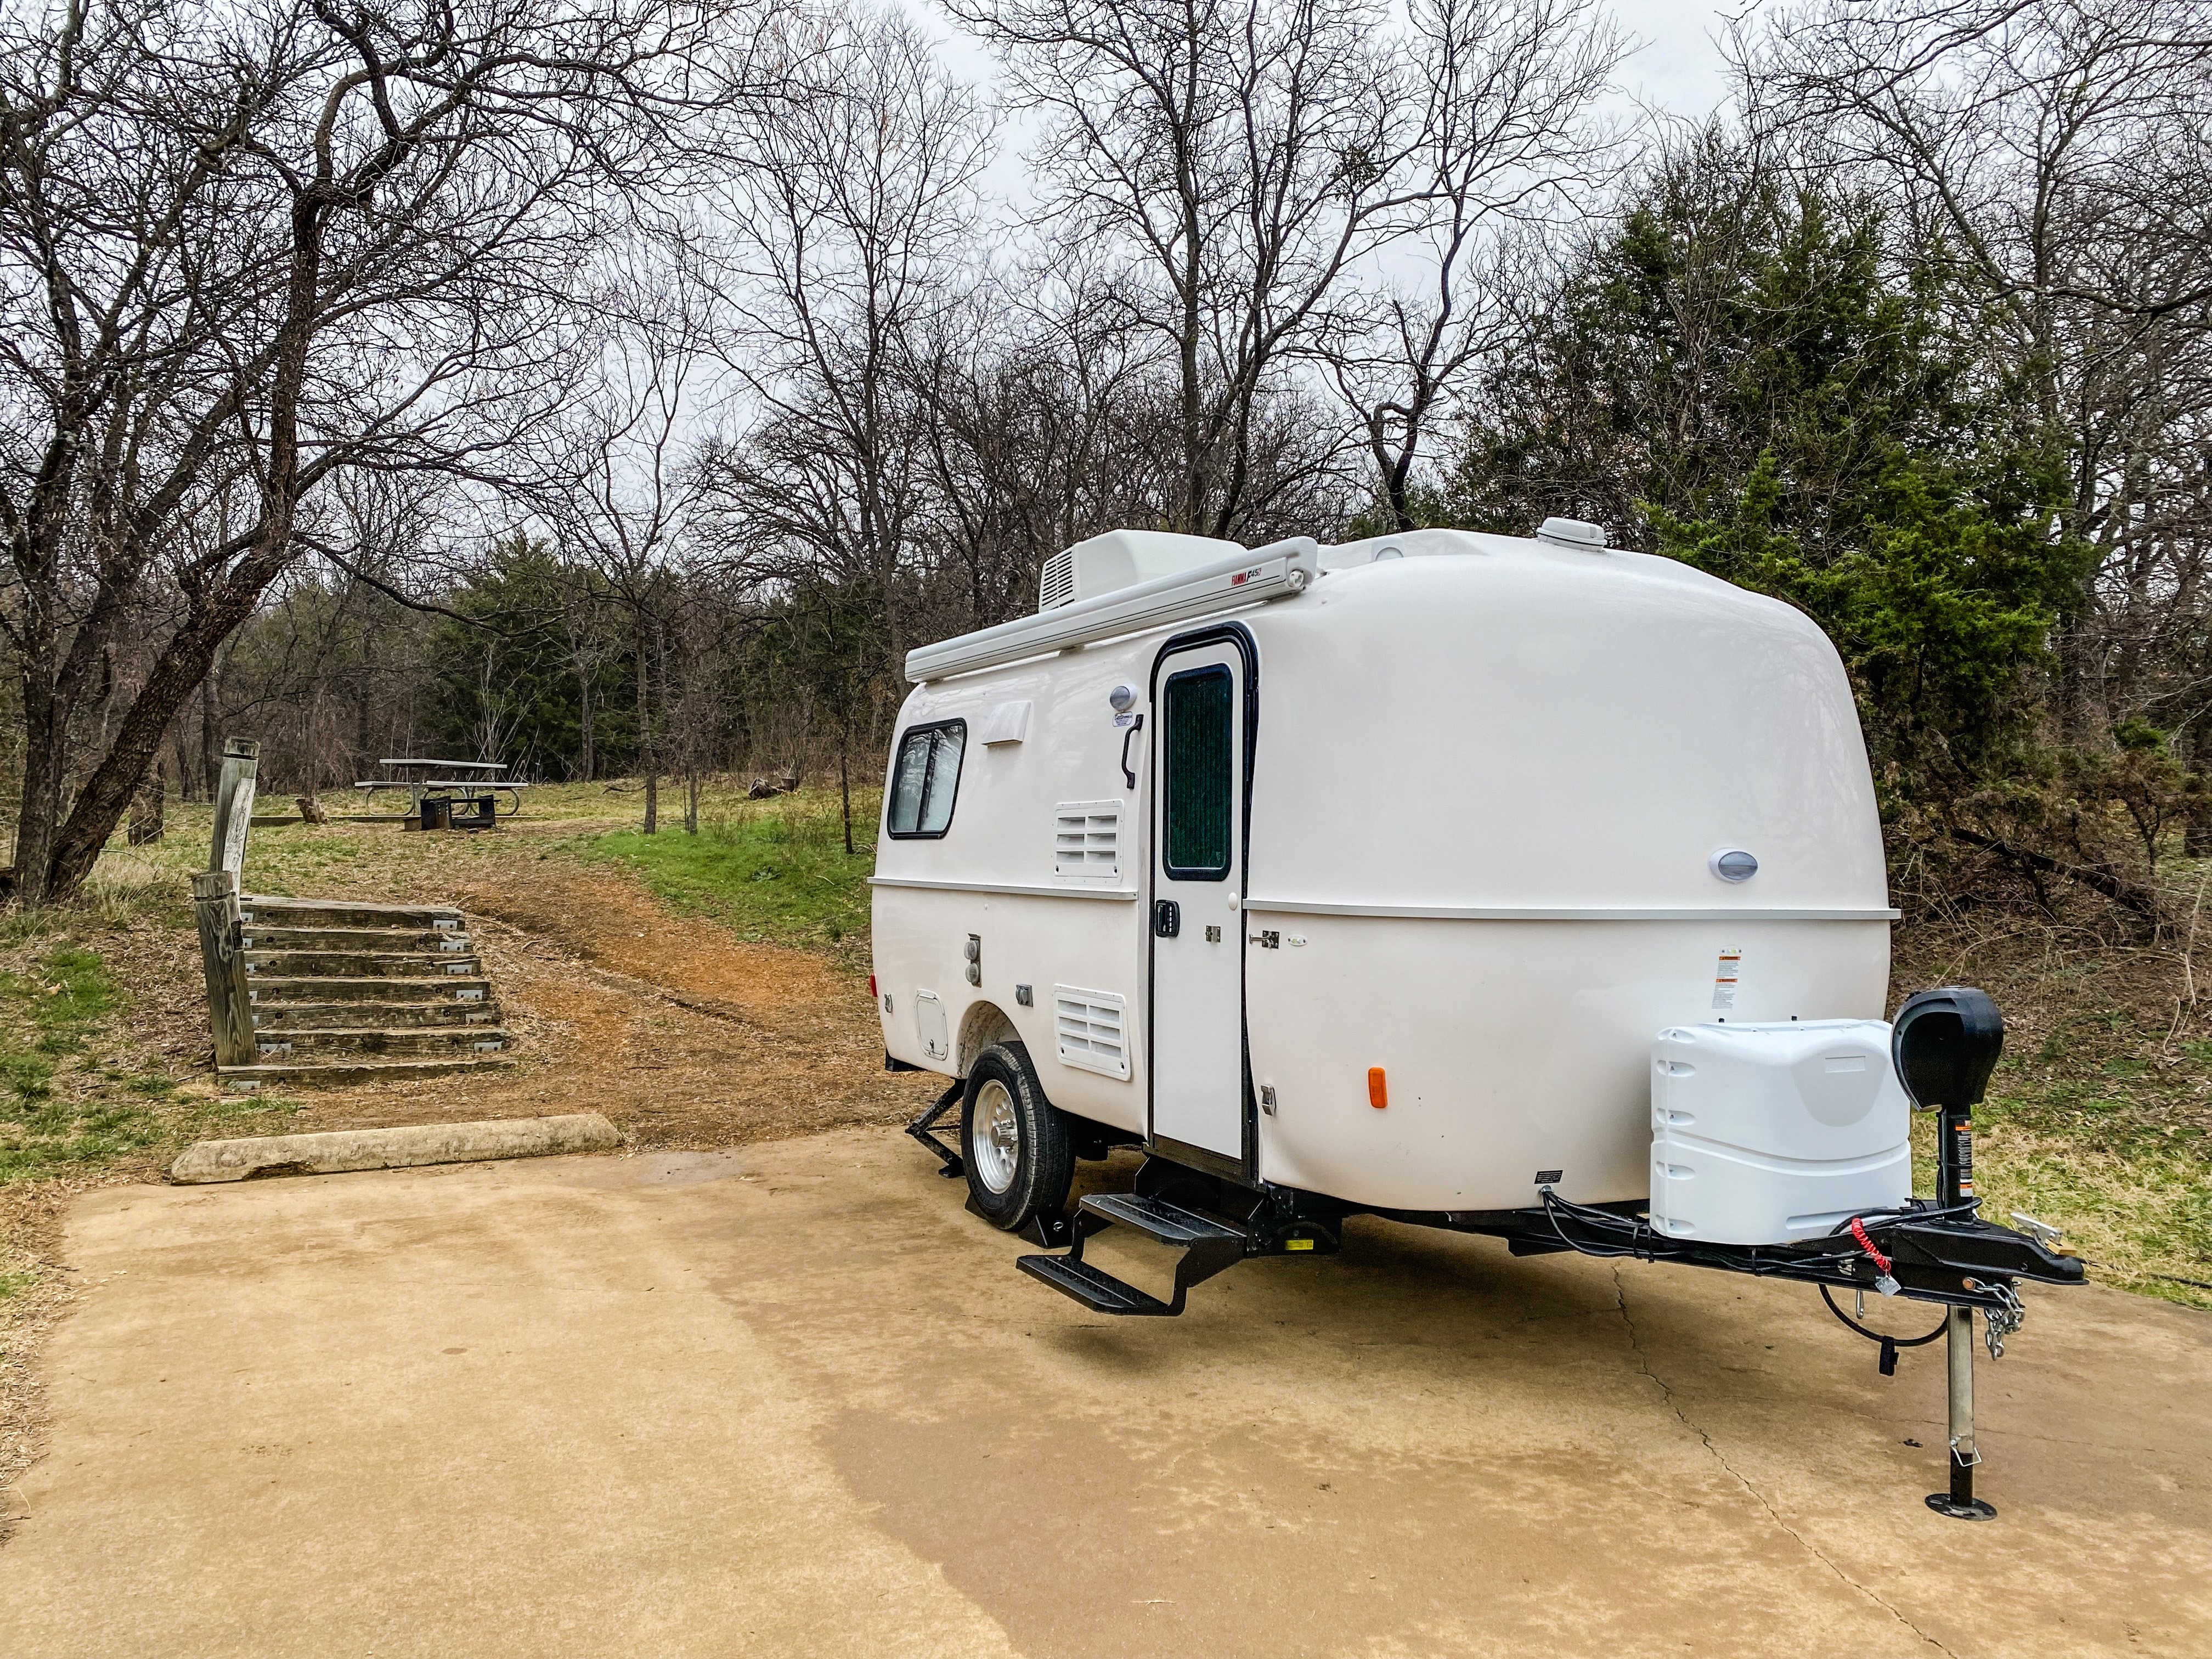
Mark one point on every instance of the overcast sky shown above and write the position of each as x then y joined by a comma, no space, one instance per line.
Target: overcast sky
1677,69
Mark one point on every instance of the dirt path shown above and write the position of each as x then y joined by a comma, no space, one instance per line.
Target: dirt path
682,1034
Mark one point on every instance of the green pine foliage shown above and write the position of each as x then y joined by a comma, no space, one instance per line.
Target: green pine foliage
1758,378
510,680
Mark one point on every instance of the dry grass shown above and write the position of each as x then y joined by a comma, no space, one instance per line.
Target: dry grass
2099,1116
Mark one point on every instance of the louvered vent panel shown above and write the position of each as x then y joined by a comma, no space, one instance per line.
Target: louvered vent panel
1056,586
1086,840
1091,1027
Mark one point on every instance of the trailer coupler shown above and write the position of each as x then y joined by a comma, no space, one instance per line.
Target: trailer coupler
1950,1256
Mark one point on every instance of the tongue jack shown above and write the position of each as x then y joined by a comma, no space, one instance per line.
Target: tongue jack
1946,1043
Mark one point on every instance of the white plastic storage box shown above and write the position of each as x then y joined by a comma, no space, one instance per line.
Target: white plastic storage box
1764,1134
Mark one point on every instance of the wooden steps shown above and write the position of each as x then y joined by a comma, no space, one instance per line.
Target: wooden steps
343,992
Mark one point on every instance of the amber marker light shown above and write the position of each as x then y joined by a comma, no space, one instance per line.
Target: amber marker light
1378,1091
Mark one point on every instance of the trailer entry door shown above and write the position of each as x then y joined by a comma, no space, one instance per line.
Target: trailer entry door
1201,733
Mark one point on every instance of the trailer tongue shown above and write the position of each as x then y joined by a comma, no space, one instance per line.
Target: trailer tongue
1937,1250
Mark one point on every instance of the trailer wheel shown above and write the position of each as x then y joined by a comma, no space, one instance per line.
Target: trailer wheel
1019,1157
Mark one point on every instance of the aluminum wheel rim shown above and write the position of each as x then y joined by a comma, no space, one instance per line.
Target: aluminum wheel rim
994,1138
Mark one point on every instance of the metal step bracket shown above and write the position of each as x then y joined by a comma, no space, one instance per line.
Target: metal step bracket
1209,1246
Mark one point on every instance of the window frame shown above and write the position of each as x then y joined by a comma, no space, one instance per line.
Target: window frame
922,807
1173,871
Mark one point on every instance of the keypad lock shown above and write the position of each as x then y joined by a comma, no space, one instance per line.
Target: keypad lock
1167,918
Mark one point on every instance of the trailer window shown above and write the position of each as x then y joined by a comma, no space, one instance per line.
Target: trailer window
926,779
1199,782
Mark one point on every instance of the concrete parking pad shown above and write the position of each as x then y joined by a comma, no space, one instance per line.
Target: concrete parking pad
792,1399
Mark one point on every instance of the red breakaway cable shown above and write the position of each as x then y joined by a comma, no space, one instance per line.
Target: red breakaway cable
1859,1232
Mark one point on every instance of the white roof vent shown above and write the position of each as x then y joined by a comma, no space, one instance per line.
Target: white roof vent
1123,558
1056,586
1571,532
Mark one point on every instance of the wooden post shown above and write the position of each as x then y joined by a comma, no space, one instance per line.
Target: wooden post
234,805
230,1003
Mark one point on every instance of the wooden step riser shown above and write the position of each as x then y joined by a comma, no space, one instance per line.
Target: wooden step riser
296,1047
359,941
296,913
292,1074
346,964
373,1016
284,990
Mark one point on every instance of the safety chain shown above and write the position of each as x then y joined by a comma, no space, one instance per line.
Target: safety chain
2000,1323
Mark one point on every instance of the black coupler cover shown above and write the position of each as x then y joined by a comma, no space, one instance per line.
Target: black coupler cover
1946,1043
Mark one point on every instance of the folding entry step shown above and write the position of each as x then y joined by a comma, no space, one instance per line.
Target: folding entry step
1209,1246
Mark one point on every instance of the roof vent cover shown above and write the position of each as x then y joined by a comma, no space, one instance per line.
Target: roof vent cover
1124,558
1572,532
1056,586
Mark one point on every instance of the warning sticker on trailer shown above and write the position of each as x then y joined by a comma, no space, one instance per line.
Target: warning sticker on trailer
1725,978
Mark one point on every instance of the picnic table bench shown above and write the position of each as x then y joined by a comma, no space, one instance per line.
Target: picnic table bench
432,799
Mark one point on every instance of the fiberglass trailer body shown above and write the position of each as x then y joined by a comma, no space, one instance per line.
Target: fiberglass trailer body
1524,886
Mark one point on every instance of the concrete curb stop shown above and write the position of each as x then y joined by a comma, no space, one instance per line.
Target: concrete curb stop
335,1151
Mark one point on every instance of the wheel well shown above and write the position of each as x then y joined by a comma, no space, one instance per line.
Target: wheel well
984,1024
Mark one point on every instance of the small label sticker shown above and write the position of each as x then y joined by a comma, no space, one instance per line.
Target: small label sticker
1725,978
1123,722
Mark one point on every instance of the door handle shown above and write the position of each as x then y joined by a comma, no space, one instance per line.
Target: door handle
1167,918
1136,727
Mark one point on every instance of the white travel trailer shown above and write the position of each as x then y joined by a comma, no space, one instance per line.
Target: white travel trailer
1522,886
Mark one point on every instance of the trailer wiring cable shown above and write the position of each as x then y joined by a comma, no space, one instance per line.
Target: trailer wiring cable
1876,1336
1656,1249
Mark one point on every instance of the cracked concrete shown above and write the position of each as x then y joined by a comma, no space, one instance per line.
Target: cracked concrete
792,1399
1667,1393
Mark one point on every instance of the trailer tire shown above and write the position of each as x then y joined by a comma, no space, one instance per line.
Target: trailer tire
1015,1144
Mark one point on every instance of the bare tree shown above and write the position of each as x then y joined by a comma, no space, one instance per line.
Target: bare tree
618,485
1247,155
1507,144
243,251
851,216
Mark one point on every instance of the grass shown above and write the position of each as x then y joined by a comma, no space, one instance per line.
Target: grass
77,1091
2098,1119
775,870
56,1108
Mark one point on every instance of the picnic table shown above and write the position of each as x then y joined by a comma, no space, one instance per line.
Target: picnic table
432,799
